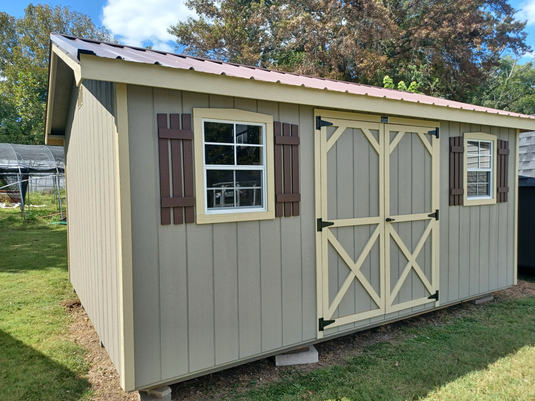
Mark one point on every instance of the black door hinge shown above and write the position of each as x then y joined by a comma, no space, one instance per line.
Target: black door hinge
435,215
322,224
322,123
434,296
434,132
324,323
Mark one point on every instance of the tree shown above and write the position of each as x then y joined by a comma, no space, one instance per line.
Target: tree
24,57
458,43
510,87
328,38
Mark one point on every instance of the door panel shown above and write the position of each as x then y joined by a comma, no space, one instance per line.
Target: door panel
367,265
346,182
412,236
352,248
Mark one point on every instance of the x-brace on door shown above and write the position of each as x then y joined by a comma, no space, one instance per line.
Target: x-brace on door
376,204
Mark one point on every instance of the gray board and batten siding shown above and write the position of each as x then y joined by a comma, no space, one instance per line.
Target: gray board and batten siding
212,296
93,224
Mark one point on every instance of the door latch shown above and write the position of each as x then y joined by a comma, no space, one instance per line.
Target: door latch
389,219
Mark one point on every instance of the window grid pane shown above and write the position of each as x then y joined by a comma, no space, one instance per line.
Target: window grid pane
235,174
479,168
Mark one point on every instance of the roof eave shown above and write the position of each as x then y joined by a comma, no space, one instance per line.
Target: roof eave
57,54
136,73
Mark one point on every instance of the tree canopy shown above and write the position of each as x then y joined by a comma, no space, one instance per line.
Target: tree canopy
448,47
24,57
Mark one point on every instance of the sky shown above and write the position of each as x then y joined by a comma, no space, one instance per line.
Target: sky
145,22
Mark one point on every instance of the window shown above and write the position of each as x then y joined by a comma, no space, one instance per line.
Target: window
233,153
234,164
480,162
479,169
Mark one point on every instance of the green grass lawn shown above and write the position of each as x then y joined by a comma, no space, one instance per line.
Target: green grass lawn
473,353
37,360
477,353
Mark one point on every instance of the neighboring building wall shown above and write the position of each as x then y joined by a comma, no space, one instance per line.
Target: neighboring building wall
208,296
526,161
92,215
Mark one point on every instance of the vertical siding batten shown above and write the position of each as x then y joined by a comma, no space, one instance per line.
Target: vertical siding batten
308,230
270,256
291,256
172,259
444,245
145,238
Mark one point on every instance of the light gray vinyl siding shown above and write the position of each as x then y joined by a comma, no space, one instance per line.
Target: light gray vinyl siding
210,296
476,242
92,214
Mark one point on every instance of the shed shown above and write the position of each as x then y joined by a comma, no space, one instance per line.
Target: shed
243,212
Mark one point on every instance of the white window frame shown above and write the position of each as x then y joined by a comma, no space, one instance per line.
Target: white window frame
233,214
479,199
235,166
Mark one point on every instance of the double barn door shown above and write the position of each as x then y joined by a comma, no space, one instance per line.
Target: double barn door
377,207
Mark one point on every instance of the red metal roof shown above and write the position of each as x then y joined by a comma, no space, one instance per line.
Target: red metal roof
76,46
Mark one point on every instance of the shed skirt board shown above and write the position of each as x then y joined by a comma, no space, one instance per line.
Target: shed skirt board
377,238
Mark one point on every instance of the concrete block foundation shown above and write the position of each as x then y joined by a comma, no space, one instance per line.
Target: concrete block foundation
298,357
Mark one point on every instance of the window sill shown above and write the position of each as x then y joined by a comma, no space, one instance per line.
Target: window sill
479,201
212,218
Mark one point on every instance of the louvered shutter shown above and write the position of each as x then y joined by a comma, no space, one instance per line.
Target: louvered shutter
287,196
502,171
176,168
456,171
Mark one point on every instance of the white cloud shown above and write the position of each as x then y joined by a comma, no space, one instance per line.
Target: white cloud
527,11
137,22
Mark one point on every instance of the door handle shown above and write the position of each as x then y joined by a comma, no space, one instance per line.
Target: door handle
389,219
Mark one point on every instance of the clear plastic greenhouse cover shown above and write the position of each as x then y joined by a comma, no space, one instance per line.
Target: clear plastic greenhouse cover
31,158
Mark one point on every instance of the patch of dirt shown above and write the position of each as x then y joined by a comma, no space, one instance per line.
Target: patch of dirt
524,289
105,380
102,374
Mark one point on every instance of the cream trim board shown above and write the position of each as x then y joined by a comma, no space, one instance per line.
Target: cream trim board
232,115
56,53
479,136
50,96
124,233
318,205
113,70
373,118
76,68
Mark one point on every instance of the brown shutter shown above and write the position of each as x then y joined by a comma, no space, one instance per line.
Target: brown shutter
287,195
502,169
176,172
456,171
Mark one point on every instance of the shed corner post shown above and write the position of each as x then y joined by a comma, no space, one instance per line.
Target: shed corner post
124,230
